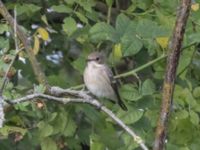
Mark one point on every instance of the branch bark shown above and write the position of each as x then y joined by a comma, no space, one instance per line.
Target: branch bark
1,110
83,97
27,45
170,75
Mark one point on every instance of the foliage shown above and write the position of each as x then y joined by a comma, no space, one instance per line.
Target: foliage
63,33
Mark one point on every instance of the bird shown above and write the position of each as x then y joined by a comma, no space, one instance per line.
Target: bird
99,79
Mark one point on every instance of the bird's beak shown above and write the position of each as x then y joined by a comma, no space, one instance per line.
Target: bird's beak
88,60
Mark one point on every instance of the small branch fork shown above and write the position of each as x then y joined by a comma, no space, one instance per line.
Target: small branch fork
82,97
170,75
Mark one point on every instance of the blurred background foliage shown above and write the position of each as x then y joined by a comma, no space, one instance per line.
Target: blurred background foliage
131,33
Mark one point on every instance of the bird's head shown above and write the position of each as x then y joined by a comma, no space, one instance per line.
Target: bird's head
96,57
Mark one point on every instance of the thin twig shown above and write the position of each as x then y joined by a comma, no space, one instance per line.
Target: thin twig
15,29
83,97
5,78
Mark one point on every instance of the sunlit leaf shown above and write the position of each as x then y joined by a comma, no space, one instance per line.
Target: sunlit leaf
36,46
43,33
117,52
162,41
195,6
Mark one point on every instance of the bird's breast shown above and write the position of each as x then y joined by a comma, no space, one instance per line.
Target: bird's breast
97,82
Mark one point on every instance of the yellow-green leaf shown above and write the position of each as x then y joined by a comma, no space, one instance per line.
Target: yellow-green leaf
195,6
117,52
43,33
162,41
36,45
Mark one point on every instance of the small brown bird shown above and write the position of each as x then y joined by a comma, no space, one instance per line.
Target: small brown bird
99,79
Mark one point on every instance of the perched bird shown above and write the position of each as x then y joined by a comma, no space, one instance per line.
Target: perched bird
99,79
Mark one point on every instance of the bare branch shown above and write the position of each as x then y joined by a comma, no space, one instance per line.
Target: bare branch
83,97
1,110
170,75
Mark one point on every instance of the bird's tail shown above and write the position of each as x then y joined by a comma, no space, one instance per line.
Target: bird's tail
119,101
122,105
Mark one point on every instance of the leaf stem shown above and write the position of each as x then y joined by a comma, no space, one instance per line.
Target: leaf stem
109,14
141,67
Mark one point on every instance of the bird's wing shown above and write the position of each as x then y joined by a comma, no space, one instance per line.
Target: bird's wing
113,83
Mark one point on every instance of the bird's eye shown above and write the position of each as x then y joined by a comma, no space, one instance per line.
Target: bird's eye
97,59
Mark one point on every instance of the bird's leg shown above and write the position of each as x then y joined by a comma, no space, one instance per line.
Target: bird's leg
84,89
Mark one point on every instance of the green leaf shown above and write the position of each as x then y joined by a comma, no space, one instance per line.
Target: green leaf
109,3
70,128
108,136
60,122
131,46
81,17
196,92
101,32
45,129
48,144
39,88
61,8
146,28
194,37
69,26
79,64
87,5
130,93
122,25
95,143
129,144
28,9
4,43
126,33
185,61
6,130
131,116
182,114
3,28
148,87
194,117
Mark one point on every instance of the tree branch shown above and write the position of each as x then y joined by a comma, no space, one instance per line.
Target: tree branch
170,75
27,45
83,97
1,110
